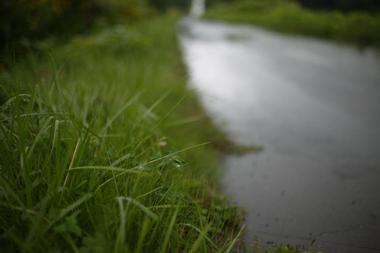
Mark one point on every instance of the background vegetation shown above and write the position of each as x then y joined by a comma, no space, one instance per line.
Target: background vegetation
339,20
343,5
23,22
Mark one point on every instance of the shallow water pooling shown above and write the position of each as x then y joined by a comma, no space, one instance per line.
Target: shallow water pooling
315,108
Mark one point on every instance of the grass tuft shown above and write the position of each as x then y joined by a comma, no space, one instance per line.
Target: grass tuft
93,158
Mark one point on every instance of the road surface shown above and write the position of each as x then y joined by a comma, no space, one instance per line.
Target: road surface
314,106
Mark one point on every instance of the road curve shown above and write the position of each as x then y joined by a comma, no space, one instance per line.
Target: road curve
314,106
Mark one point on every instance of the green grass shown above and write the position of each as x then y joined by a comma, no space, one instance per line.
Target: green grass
359,28
103,149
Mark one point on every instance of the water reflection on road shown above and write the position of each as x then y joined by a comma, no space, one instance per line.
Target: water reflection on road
315,107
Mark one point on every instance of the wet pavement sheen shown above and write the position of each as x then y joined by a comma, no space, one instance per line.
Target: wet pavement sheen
314,106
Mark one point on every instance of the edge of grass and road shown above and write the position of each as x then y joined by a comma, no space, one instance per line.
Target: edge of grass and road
357,27
103,148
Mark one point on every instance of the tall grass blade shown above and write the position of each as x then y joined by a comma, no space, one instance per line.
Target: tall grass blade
169,232
143,208
108,168
203,233
120,239
201,237
144,230
65,211
118,113
71,163
232,244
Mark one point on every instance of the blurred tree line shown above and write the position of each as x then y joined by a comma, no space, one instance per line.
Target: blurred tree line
22,22
164,4
343,5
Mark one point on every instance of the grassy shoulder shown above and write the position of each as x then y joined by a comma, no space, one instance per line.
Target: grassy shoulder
103,149
360,28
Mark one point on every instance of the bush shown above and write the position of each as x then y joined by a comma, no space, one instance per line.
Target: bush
358,27
24,21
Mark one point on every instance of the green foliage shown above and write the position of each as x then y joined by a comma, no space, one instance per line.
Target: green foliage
23,21
344,5
99,151
165,4
360,28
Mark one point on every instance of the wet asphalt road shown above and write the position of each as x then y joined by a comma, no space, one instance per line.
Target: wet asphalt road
314,106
